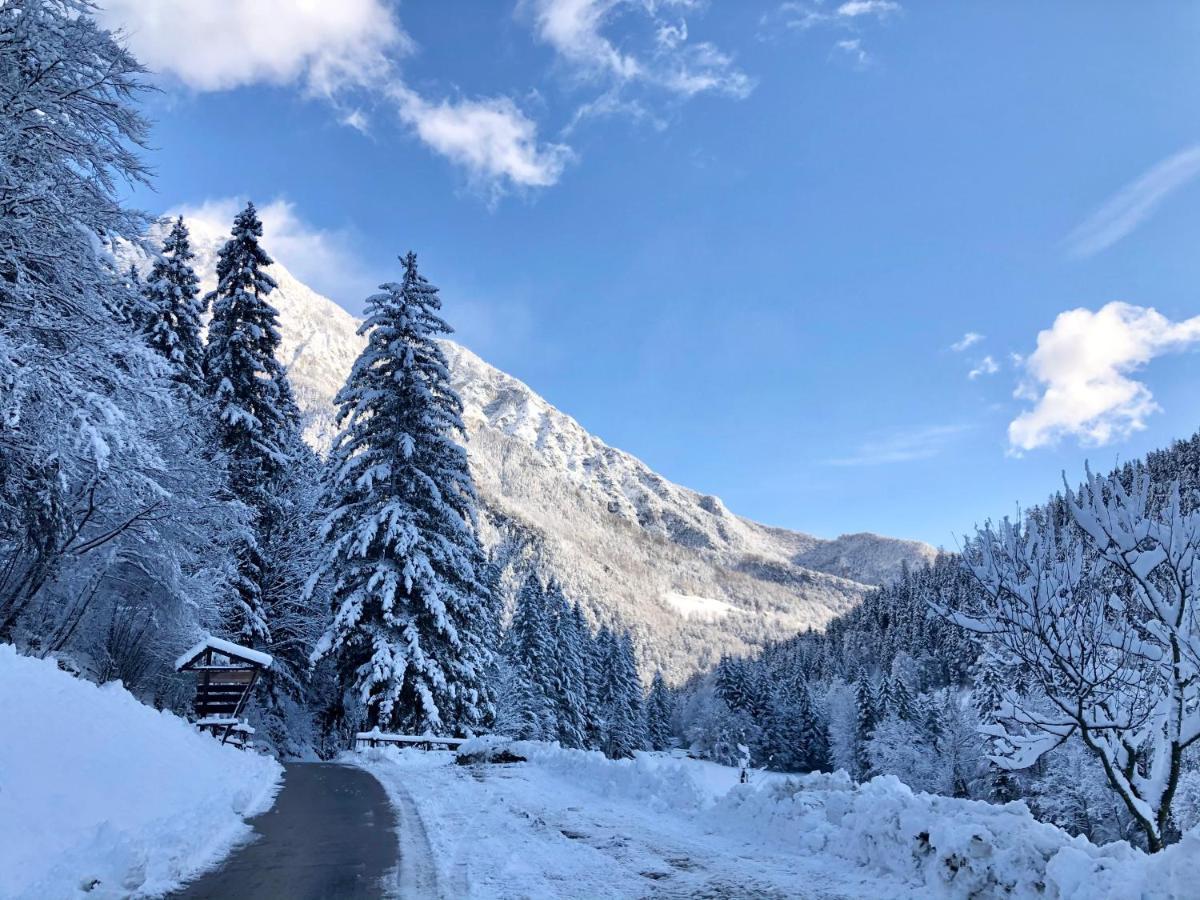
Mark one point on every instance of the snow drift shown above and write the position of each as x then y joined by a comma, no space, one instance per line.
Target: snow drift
937,846
103,796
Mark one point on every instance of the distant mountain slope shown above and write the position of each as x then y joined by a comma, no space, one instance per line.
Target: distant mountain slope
691,578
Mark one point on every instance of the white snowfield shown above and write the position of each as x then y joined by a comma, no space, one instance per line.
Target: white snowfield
572,824
102,796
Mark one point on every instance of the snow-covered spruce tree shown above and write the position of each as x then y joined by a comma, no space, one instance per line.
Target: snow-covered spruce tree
172,297
530,647
621,696
867,716
255,414
814,736
410,634
1104,620
593,718
660,707
567,678
131,306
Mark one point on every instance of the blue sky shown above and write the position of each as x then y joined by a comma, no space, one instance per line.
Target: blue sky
742,240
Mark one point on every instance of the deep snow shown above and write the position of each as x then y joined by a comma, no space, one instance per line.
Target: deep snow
102,796
573,824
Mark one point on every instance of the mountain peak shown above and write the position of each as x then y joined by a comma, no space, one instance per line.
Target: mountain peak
692,579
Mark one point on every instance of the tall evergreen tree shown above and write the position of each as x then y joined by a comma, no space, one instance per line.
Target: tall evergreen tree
249,388
625,723
902,704
865,723
814,736
410,633
593,718
660,706
172,299
531,648
567,678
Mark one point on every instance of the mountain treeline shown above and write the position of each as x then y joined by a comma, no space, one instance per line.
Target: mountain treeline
1027,667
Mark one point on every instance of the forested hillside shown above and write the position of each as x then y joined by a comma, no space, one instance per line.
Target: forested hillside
899,685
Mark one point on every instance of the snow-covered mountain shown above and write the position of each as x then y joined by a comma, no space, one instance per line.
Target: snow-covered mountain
692,579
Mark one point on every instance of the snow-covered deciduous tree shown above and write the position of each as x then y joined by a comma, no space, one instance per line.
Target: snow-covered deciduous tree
174,308
410,630
114,539
1103,619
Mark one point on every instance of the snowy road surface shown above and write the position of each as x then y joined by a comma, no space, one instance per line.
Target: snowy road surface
331,833
523,831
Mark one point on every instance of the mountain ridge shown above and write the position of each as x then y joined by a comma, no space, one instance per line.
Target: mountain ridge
624,540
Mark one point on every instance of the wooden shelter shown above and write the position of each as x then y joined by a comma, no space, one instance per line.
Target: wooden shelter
227,673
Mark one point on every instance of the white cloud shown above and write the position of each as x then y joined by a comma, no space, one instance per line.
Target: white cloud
576,30
986,366
321,258
970,339
877,8
1134,203
491,138
215,45
852,15
852,49
902,446
345,51
802,15
1079,375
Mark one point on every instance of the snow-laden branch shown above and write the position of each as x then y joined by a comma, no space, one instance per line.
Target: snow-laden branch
1100,613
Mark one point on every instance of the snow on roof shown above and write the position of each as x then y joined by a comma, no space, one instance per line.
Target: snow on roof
228,648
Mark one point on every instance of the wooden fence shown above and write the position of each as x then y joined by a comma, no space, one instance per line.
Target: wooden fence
366,739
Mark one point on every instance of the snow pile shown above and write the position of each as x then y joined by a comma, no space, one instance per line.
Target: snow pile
104,796
935,846
647,778
952,848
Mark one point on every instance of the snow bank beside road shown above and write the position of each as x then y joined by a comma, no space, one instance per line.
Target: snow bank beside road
953,848
566,820
102,796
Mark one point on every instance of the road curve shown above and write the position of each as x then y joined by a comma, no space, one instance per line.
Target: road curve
331,833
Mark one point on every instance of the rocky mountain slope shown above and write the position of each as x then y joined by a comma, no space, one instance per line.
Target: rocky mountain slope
691,578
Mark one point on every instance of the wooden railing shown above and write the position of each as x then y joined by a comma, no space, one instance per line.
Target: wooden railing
366,739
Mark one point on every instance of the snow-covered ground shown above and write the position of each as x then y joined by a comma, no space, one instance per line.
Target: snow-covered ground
102,796
575,825
572,824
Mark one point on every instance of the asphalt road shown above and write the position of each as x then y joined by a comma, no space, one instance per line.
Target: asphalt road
330,834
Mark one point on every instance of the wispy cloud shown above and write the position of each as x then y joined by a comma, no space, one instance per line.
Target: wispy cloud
852,50
970,339
907,445
1134,203
656,55
1079,380
986,366
350,54
851,15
